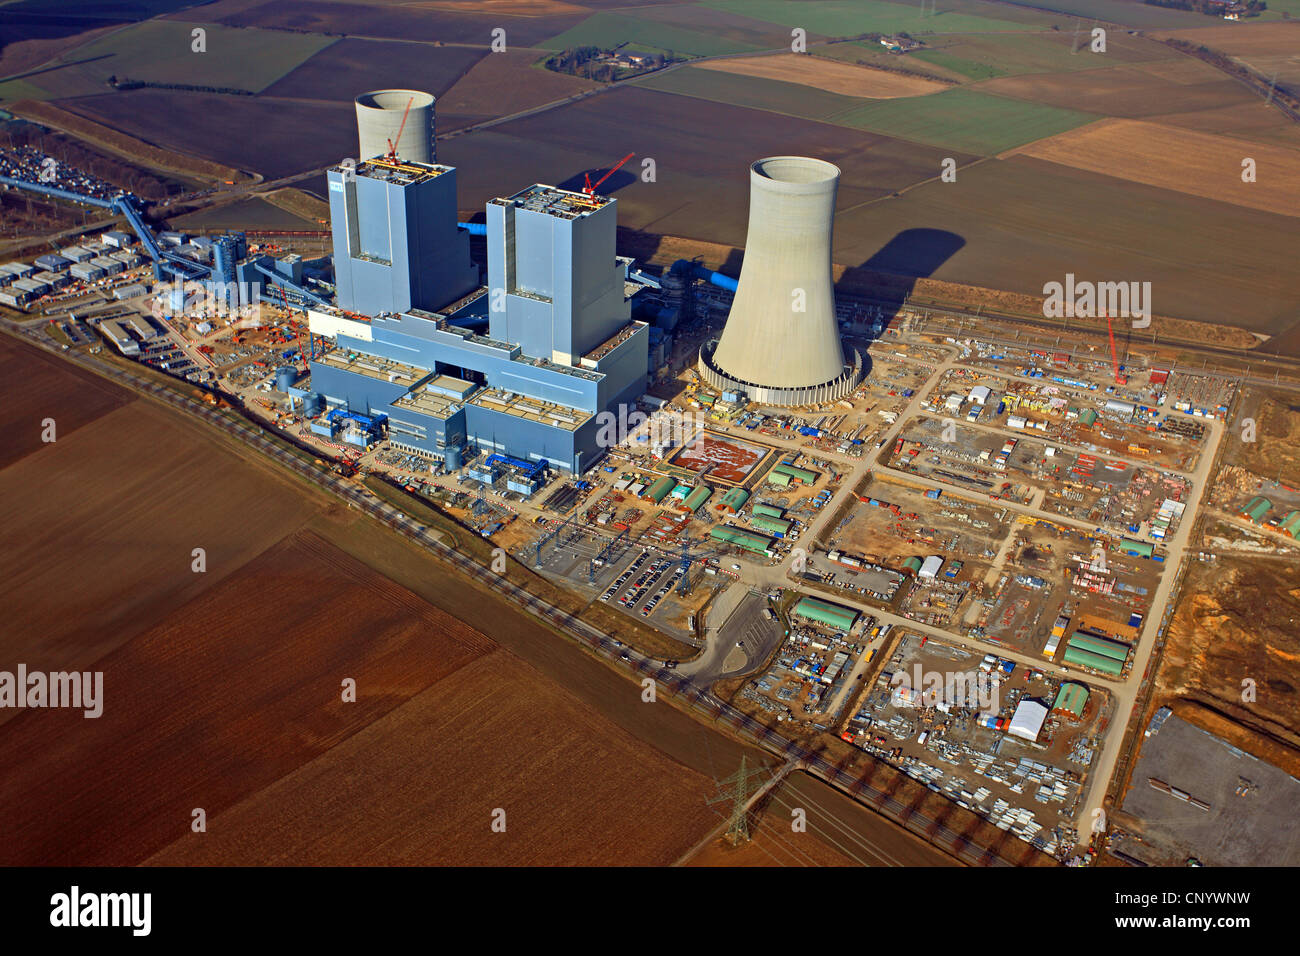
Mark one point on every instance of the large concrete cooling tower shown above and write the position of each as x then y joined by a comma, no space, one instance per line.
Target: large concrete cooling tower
781,343
379,116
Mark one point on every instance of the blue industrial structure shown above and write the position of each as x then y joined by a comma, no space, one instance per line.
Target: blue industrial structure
171,264
521,369
396,245
540,367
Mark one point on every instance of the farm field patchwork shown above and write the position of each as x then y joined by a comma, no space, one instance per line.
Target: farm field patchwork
392,22
352,66
839,18
751,92
985,56
1268,47
210,704
1182,160
28,40
732,26
608,30
197,665
702,187
503,83
963,119
1025,222
251,214
830,76
123,502
1135,91
308,136
864,53
520,8
44,393
1256,122
159,51
1130,13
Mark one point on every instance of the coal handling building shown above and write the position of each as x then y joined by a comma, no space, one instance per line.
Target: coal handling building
522,367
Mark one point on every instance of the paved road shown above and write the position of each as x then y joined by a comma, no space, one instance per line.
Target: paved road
1125,693
740,612
687,692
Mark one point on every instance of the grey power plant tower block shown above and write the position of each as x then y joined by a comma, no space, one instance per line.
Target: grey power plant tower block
379,117
781,344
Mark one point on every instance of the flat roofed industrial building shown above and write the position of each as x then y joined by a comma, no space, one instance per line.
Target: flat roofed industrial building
117,335
87,271
525,374
55,280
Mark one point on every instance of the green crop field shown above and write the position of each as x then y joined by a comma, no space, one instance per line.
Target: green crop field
1130,13
793,99
983,57
106,9
1281,9
873,54
161,51
963,119
608,30
20,90
963,66
839,18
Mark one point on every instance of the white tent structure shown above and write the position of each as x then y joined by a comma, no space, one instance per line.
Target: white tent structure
1027,722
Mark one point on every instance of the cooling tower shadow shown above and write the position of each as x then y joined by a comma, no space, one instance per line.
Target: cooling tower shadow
618,181
889,277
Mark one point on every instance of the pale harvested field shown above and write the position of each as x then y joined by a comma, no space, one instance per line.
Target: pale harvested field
831,76
419,787
1266,38
1187,161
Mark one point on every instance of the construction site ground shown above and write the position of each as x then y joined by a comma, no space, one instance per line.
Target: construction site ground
1244,814
979,767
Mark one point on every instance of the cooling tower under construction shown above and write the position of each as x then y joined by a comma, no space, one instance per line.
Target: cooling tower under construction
781,343
379,117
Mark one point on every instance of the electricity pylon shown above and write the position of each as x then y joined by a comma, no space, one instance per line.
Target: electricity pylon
736,789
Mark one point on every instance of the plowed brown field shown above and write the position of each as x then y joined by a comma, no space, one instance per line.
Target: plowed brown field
102,524
230,693
420,787
45,393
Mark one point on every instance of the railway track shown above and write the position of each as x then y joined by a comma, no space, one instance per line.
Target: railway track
859,786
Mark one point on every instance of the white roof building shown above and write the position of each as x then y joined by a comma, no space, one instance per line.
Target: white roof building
930,567
980,394
1027,722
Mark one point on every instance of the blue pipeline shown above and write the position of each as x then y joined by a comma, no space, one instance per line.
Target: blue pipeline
122,203
700,272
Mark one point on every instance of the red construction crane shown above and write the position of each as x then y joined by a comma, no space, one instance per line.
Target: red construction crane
392,143
590,187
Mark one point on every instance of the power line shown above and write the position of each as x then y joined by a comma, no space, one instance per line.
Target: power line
737,790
